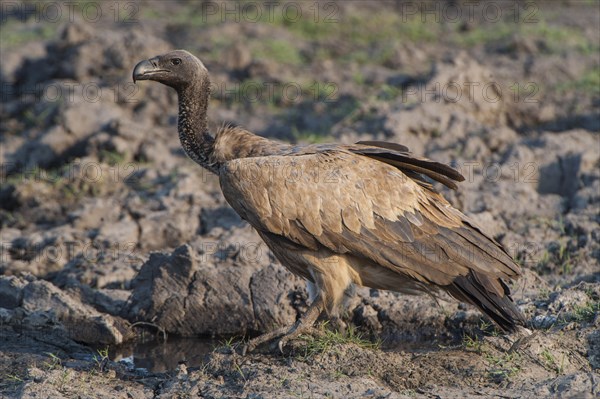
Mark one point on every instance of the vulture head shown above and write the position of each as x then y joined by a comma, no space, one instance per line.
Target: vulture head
177,69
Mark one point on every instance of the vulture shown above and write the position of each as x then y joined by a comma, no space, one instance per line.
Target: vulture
342,215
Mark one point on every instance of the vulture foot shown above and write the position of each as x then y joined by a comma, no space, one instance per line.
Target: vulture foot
304,324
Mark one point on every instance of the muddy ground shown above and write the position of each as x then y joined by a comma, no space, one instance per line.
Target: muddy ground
113,242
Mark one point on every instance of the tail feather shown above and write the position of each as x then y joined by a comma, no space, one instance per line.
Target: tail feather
500,308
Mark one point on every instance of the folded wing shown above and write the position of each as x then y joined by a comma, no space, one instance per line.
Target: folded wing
349,202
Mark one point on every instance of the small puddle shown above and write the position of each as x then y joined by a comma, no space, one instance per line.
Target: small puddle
157,356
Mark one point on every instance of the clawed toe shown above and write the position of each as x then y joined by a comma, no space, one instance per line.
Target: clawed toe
304,324
282,343
286,339
261,339
286,336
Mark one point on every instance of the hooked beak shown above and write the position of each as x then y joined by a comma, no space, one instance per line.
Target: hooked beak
145,69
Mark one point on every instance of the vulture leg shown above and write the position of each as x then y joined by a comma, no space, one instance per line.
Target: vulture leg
305,323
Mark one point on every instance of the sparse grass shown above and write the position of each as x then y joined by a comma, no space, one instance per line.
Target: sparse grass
284,383
16,33
485,34
74,191
499,375
240,372
389,92
564,259
41,118
503,366
358,29
557,259
557,224
585,313
327,340
64,380
229,344
544,294
472,343
581,313
111,157
101,358
358,78
555,38
544,259
362,37
489,328
53,362
589,82
71,181
550,361
281,51
190,15
14,379
335,375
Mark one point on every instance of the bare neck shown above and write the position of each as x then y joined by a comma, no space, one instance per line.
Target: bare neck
192,125
230,142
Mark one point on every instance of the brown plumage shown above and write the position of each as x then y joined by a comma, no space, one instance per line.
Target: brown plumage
339,215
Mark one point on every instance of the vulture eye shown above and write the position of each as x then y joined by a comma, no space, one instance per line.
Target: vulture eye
176,61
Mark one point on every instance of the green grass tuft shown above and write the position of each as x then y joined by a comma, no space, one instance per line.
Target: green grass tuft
555,39
327,340
281,51
550,361
589,82
15,33
585,313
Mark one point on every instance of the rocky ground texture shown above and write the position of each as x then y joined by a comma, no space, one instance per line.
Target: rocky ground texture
113,242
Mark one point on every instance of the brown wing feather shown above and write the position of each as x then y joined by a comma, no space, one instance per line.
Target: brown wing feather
418,170
399,156
384,144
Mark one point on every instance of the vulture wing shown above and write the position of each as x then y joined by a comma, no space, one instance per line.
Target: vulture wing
400,157
350,204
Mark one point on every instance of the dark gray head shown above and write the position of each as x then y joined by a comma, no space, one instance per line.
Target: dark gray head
178,69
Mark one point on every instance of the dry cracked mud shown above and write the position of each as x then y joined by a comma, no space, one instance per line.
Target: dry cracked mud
124,273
